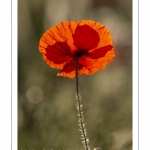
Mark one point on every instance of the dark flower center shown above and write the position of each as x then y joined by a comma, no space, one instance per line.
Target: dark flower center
80,53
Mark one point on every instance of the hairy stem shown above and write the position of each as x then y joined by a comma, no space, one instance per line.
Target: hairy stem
79,105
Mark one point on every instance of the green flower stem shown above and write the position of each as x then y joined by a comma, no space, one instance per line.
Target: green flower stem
79,105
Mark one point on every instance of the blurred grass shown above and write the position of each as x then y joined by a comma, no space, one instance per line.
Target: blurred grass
107,95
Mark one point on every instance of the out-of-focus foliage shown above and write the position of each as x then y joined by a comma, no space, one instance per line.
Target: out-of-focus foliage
46,105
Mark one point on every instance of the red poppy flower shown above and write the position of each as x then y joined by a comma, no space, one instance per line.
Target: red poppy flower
87,39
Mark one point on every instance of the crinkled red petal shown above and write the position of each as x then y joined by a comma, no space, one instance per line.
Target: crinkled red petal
85,37
100,52
58,53
69,69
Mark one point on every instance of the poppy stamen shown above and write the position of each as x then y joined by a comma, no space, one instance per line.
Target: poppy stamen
80,53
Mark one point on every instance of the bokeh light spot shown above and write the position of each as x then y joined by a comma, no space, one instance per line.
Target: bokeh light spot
35,94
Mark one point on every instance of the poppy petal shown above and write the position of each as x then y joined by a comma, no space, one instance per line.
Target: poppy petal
100,64
85,37
103,32
69,69
59,33
94,65
86,61
58,53
100,52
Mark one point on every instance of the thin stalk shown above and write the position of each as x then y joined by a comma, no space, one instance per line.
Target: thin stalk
79,106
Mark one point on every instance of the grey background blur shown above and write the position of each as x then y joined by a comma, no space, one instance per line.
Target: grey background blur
47,116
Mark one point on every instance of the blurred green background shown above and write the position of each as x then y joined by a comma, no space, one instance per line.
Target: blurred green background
47,116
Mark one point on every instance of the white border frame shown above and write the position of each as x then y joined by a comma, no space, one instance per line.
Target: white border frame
144,75
6,75
14,74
